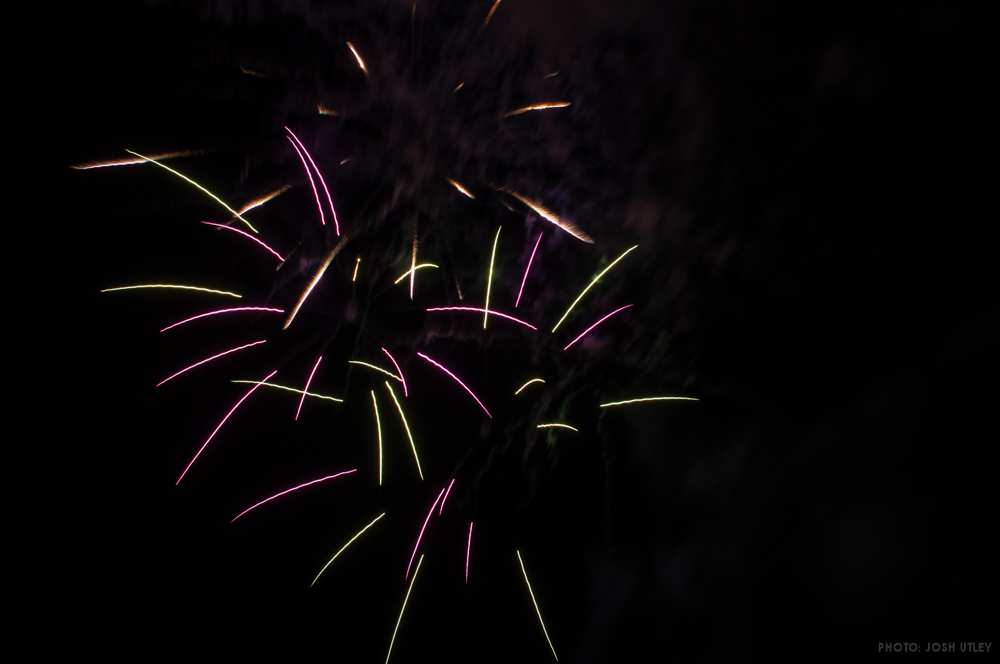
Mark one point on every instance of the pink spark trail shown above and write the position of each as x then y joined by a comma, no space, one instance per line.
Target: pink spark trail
306,388
247,235
604,318
398,370
527,269
294,488
209,359
216,312
468,550
322,181
219,426
420,536
312,183
459,381
446,494
493,312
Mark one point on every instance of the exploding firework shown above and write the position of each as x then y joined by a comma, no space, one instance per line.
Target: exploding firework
449,203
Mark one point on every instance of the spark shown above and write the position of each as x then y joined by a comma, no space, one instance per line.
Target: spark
446,494
420,535
343,548
305,389
294,488
541,106
458,87
312,182
173,287
459,381
493,312
645,399
557,425
266,198
413,265
461,189
345,161
323,109
591,284
252,72
537,610
406,426
357,56
489,16
289,389
601,320
126,161
357,264
216,312
551,216
375,367
209,359
315,280
247,235
552,75
197,186
489,278
322,180
468,551
378,429
402,609
412,269
533,380
402,379
219,426
527,269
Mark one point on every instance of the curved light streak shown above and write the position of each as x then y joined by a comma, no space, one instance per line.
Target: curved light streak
357,57
197,186
468,552
312,182
556,425
322,181
209,359
410,271
402,609
458,185
378,430
374,367
489,278
109,163
246,235
406,426
305,388
493,312
219,426
541,106
173,287
591,284
217,312
315,280
645,399
261,200
459,381
343,548
285,388
420,535
537,610
600,320
402,379
533,380
445,499
527,269
294,488
551,216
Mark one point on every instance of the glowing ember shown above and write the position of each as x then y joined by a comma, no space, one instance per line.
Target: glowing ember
357,57
315,280
461,189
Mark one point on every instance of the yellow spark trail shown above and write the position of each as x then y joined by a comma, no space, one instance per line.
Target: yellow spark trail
489,278
288,389
403,608
537,610
173,287
591,284
341,549
645,399
406,426
533,380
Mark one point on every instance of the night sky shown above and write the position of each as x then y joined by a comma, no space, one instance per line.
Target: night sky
812,265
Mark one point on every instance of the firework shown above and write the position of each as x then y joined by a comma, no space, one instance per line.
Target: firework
218,312
305,389
551,216
315,280
420,535
489,278
527,269
535,603
406,427
285,388
357,264
358,59
312,182
266,198
644,400
599,321
409,273
458,185
557,425
468,552
446,494
132,161
246,235
493,312
198,289
375,367
322,180
402,379
292,489
533,380
395,629
209,359
457,380
343,548
591,285
489,15
378,431
540,106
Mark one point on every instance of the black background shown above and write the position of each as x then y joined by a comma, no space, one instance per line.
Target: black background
804,189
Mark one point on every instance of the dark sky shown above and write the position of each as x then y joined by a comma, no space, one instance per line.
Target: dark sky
813,266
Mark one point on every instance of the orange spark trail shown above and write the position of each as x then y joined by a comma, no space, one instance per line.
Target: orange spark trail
463,190
131,161
315,280
357,56
541,106
551,216
492,11
266,198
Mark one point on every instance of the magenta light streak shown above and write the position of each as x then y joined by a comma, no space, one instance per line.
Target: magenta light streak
245,234
398,370
468,550
493,312
294,488
606,316
209,359
312,183
446,494
527,269
322,180
459,381
221,311
420,536
219,426
306,388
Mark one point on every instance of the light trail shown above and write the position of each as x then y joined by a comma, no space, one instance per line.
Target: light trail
556,425
375,367
378,429
601,320
411,270
198,289
294,488
549,215
402,609
285,388
305,388
541,106
420,535
645,399
493,312
246,235
535,603
457,380
343,548
402,379
217,312
591,284
527,269
406,426
315,280
489,278
312,182
533,380
209,359
322,180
